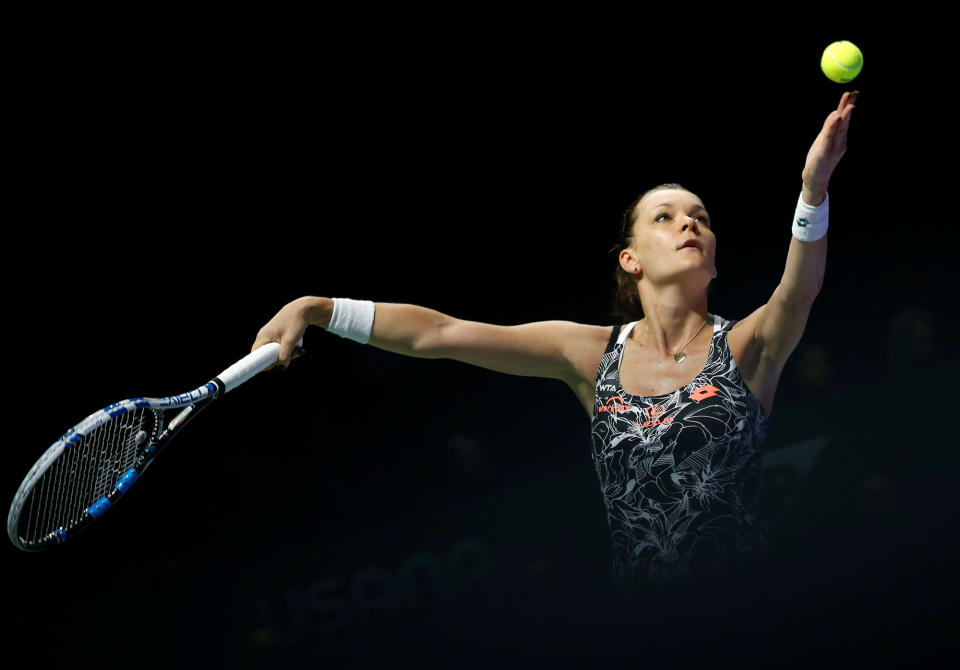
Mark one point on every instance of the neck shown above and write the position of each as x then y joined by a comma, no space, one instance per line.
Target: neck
670,325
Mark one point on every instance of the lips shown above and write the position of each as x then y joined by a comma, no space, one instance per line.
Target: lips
692,242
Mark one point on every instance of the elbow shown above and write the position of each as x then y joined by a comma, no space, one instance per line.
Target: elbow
432,341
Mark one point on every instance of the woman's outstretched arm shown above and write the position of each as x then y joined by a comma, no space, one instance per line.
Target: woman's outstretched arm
550,349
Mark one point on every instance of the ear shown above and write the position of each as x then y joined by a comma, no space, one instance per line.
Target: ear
629,262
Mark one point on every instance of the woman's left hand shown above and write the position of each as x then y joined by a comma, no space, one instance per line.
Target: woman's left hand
827,150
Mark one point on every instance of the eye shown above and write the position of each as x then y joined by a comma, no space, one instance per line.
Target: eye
705,220
661,216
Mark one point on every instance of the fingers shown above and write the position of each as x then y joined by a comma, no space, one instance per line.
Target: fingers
831,127
847,112
847,103
844,120
848,98
838,121
843,101
290,350
847,109
259,342
838,134
285,363
844,125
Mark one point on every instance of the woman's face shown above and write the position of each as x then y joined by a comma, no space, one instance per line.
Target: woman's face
666,220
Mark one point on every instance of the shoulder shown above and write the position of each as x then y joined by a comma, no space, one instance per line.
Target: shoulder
587,333
584,345
579,335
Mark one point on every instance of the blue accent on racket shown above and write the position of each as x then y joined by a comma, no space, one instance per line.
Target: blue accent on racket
98,508
116,409
128,478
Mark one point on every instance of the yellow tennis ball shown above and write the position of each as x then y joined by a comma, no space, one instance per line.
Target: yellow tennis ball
841,61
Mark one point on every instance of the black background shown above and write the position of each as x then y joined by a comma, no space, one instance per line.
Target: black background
177,180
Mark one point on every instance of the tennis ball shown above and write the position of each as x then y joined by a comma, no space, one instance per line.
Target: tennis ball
841,61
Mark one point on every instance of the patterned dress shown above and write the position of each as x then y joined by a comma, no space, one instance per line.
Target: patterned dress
679,472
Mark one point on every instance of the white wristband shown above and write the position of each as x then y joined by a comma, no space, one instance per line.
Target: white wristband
352,319
809,222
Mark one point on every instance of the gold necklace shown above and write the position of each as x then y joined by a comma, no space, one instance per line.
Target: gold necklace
679,356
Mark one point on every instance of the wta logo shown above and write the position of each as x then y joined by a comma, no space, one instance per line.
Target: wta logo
653,414
615,404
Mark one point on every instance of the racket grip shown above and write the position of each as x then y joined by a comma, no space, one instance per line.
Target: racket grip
250,365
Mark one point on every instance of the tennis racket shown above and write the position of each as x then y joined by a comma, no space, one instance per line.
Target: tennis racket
85,472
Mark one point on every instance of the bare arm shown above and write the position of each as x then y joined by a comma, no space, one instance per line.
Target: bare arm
780,323
807,261
540,349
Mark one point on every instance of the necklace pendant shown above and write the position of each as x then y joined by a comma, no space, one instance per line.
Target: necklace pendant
679,356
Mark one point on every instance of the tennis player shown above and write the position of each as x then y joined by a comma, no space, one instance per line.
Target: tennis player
678,399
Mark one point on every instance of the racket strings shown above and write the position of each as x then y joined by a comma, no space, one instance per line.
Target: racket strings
88,471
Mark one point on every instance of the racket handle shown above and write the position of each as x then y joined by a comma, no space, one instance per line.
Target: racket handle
250,365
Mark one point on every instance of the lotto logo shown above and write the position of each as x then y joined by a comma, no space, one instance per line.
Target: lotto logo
704,392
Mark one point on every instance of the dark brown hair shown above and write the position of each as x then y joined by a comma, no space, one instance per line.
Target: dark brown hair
626,304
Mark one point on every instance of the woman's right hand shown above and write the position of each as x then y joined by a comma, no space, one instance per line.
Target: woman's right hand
287,327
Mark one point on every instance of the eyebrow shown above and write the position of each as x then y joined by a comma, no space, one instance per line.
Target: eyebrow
670,204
